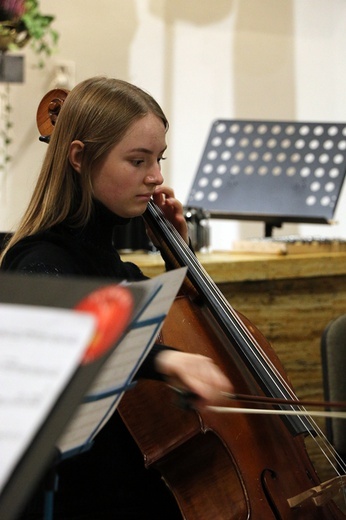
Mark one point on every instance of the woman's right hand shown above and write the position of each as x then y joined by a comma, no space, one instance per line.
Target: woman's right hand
193,373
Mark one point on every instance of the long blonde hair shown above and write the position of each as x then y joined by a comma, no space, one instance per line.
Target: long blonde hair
98,112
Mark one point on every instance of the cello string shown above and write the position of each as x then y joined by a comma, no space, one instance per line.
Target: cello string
188,258
221,300
319,438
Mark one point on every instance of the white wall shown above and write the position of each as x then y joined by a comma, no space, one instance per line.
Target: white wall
320,72
202,60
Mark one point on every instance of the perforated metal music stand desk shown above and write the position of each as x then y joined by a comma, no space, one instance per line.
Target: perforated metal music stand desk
272,171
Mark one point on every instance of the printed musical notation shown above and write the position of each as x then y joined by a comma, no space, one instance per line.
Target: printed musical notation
41,348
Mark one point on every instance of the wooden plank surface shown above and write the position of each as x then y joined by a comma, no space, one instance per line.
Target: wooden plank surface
237,267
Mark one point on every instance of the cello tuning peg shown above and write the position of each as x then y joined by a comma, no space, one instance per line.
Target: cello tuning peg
44,138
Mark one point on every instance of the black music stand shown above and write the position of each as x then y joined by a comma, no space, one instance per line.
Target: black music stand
40,456
77,412
271,171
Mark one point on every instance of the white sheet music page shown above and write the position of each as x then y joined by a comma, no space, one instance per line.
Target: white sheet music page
40,350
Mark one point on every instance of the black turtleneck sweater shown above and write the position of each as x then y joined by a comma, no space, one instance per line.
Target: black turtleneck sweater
68,250
109,481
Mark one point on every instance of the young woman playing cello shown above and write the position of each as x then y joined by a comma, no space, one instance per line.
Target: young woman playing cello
101,168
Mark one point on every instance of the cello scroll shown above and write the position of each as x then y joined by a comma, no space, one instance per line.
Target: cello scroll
48,111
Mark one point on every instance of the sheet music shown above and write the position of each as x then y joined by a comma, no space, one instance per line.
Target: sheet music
122,365
40,350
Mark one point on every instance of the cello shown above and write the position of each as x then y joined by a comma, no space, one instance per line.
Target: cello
231,466
237,466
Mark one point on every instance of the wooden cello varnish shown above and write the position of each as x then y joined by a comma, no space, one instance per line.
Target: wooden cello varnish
235,466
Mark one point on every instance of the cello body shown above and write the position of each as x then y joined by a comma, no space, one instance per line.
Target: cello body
221,466
232,467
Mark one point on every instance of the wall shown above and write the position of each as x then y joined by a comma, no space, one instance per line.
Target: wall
202,60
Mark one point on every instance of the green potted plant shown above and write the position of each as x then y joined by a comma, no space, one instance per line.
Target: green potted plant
21,23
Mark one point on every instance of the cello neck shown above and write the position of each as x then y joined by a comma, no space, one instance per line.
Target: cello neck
178,254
